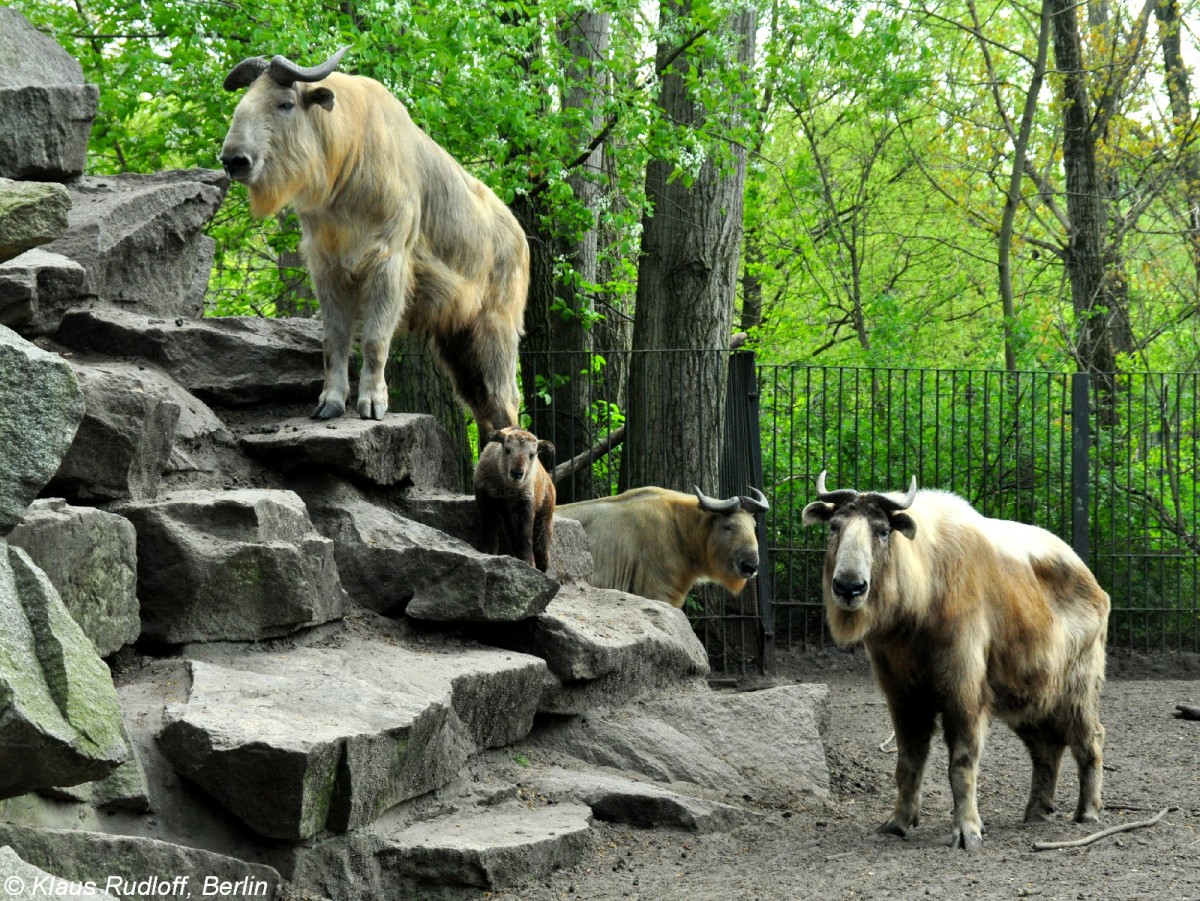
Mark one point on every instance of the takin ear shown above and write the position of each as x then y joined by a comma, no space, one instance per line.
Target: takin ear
494,437
817,513
904,524
545,447
322,97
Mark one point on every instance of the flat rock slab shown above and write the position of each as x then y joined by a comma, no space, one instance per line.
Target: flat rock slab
233,360
605,647
90,557
61,723
489,847
40,409
140,868
458,515
400,449
620,800
235,565
312,740
25,882
765,745
391,564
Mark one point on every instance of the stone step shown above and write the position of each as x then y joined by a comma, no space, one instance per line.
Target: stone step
606,647
25,882
457,515
489,845
391,564
232,360
238,565
402,449
327,739
31,213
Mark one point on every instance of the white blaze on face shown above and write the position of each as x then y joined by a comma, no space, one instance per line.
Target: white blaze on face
851,579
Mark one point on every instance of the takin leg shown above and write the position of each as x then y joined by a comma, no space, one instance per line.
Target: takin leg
913,719
383,308
1046,745
1087,747
964,727
543,529
520,528
338,309
491,517
482,361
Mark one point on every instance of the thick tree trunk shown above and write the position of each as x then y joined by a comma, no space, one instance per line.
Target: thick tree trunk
1179,93
687,282
1092,297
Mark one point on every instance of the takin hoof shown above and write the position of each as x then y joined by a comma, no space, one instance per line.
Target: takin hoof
1039,813
369,410
892,827
967,839
328,410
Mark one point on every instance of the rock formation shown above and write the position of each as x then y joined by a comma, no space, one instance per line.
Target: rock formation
240,645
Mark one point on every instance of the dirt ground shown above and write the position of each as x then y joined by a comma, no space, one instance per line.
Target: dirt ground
1152,761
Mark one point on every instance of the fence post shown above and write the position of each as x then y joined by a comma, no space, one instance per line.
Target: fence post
1080,447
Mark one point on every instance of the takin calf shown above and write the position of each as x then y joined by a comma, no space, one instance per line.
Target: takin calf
657,543
965,617
395,232
515,497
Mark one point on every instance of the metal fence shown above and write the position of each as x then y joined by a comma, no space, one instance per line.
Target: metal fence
1108,464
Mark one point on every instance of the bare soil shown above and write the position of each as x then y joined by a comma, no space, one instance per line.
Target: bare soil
1152,761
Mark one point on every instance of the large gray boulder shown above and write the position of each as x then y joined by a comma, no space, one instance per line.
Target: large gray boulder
234,360
31,213
400,449
231,566
134,867
90,557
310,740
458,515
390,564
62,723
46,108
143,431
138,238
125,441
605,647
25,882
40,409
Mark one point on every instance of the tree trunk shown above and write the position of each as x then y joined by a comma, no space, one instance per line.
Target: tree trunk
687,282
1091,292
1179,93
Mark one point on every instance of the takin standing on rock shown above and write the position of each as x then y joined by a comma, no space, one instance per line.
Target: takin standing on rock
966,617
515,497
395,231
658,543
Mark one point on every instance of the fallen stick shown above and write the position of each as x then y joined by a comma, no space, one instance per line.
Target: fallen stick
1103,833
1187,712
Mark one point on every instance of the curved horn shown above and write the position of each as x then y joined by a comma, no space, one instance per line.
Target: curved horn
712,505
905,502
246,73
755,503
840,496
286,72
